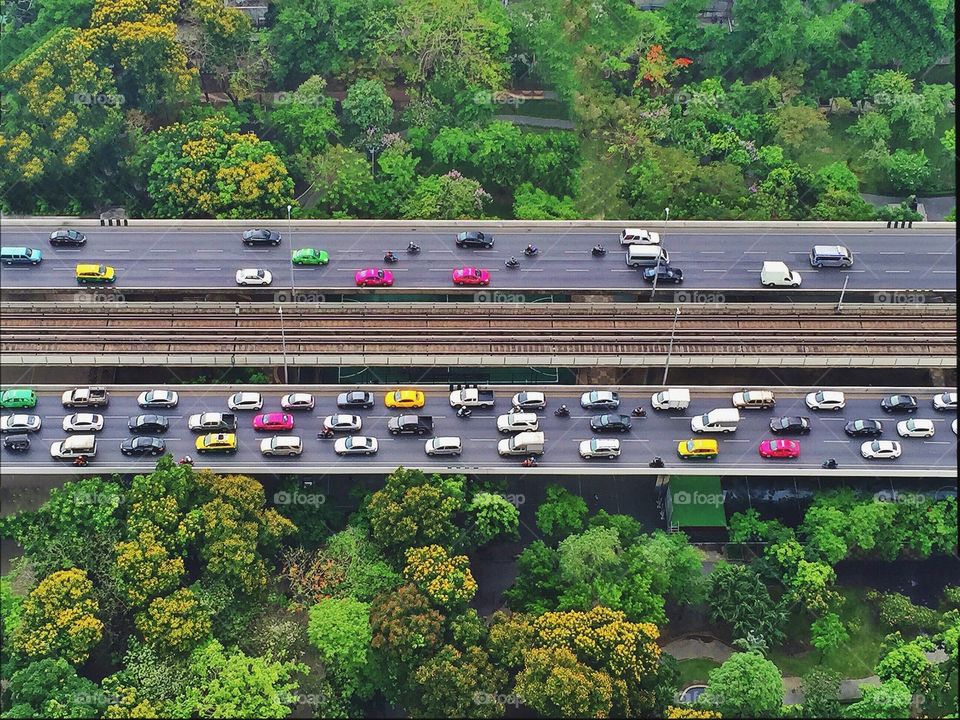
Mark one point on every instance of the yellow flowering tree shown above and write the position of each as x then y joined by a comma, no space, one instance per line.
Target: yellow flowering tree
445,579
145,569
682,713
174,623
58,618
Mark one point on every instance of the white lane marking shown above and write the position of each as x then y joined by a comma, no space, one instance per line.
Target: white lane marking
853,271
713,252
754,252
944,272
208,250
896,271
935,442
578,270
891,252
159,269
216,268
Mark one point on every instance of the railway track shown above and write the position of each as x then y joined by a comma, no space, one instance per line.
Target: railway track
569,329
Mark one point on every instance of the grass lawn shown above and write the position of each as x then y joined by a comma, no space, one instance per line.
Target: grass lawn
553,109
695,671
855,659
597,199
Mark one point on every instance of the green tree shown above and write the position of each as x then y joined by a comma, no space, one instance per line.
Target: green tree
745,685
457,683
530,203
304,120
446,197
561,513
797,126
340,630
821,693
736,595
675,564
590,554
908,663
493,517
368,110
538,584
812,586
768,34
342,180
890,699
823,527
59,618
828,632
51,688
908,171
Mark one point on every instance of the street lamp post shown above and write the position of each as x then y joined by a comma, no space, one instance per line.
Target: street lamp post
283,344
842,291
666,369
293,282
666,212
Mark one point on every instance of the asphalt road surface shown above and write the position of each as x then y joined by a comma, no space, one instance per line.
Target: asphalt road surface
656,434
716,259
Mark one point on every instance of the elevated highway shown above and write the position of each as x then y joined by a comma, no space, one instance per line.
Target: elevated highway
656,434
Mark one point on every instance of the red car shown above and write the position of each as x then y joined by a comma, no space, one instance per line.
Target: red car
470,276
273,421
780,449
375,277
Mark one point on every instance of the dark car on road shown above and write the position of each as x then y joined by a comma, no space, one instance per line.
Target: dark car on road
260,236
67,237
863,428
475,239
610,423
148,424
796,425
143,446
355,399
664,274
899,403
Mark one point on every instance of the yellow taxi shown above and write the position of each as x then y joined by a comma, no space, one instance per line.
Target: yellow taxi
217,442
698,448
404,399
95,273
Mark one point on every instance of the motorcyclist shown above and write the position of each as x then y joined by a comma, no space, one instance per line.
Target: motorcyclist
512,262
81,461
464,411
830,464
599,249
325,434
529,462
531,250
413,247
390,257
185,460
561,411
656,462
638,411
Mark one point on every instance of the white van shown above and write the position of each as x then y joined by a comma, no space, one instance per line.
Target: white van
638,236
831,256
672,399
526,443
777,274
75,446
721,420
646,256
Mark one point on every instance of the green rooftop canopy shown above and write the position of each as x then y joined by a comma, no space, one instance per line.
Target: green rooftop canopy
696,501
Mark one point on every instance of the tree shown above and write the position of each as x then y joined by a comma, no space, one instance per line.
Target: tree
828,632
824,529
369,111
145,569
175,623
675,564
342,180
538,584
340,630
208,168
796,126
811,586
767,34
228,683
561,514
589,555
821,693
457,683
908,663
530,203
736,595
745,685
51,688
304,120
446,197
445,579
413,510
493,516
556,684
908,171
59,618
890,699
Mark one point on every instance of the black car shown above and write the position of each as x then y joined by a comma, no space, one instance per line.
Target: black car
148,424
610,423
899,403
143,446
863,428
67,237
261,237
355,399
664,273
796,425
474,238
16,443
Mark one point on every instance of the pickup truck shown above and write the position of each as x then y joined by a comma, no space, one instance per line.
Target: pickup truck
471,398
212,422
410,425
86,397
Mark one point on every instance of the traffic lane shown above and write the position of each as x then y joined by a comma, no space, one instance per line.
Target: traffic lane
703,270
655,435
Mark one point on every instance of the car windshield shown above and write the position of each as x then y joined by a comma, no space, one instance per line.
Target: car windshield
691,445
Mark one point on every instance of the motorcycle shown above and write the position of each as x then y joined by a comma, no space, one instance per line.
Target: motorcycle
598,251
464,412
531,250
185,460
529,462
512,263
638,412
657,462
390,258
324,434
830,464
413,248
562,411
81,461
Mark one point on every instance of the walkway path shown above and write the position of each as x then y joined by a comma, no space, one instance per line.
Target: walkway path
536,121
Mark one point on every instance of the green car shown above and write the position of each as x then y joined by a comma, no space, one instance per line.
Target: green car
310,256
18,398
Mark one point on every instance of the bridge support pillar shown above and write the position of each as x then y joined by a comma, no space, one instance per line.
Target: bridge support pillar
938,377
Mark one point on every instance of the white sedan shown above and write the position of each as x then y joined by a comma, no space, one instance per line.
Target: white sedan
915,428
945,401
880,449
600,400
530,400
342,423
355,445
254,276
297,401
20,423
518,422
600,447
826,400
158,399
443,446
83,422
245,401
